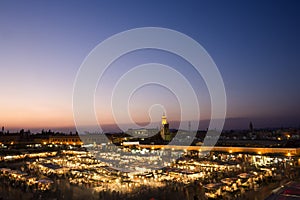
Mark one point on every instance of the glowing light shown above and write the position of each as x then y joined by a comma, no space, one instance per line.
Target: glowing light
164,120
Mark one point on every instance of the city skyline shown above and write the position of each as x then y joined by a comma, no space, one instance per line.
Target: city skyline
255,47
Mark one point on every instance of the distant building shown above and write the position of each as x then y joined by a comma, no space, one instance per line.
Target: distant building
45,138
142,132
93,138
10,139
251,127
251,130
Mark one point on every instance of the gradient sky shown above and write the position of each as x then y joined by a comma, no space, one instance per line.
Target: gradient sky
256,46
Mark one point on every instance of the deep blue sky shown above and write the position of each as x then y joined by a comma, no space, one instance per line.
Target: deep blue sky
255,45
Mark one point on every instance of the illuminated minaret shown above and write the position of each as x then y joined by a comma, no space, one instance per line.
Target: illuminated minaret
163,120
164,131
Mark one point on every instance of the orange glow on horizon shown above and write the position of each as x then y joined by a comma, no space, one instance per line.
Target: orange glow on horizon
24,120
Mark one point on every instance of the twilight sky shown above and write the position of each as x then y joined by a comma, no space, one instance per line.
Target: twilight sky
256,46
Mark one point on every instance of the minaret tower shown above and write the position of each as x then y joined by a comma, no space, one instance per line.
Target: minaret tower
164,131
164,119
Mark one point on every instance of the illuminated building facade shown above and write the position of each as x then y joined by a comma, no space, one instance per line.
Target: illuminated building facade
65,139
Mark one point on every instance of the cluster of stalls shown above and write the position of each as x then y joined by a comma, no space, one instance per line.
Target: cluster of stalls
235,186
21,179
